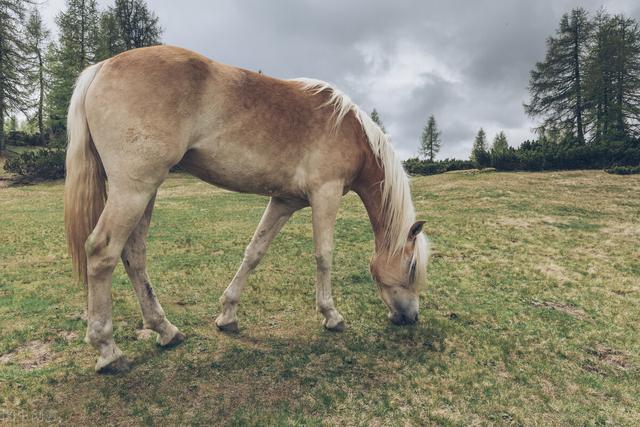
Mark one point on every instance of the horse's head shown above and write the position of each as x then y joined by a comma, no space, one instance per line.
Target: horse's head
400,274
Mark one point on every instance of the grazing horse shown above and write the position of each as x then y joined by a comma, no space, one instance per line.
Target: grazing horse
300,142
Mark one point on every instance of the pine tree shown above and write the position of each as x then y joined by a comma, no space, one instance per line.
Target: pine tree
13,96
479,152
138,25
430,139
556,85
377,120
37,78
76,49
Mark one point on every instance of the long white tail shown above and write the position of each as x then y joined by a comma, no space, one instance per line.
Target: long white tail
84,188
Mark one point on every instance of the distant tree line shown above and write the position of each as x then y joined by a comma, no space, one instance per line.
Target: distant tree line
37,74
586,96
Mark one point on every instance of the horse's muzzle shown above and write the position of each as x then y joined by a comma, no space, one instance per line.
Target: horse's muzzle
402,319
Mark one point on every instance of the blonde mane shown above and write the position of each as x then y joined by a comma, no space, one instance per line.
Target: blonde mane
397,206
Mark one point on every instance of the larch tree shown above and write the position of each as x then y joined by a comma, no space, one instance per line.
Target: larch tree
430,139
556,84
500,144
76,48
137,24
36,40
480,151
109,40
13,94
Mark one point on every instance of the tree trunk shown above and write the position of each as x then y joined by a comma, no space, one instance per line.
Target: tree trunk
82,38
2,142
41,98
576,59
620,89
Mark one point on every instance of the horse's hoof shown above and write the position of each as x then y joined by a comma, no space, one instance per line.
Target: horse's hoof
229,327
338,327
177,339
116,366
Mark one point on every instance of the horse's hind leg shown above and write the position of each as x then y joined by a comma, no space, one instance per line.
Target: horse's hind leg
125,206
273,219
134,258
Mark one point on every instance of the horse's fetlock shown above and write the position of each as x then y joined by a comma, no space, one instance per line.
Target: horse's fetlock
98,332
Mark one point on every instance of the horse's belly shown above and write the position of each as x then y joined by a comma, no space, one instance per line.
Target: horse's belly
244,172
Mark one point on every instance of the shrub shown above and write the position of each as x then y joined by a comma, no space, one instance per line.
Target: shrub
22,139
624,170
41,164
415,166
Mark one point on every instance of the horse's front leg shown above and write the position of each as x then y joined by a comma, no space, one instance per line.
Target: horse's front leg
324,205
275,216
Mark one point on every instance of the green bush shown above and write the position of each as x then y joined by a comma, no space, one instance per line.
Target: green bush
41,164
415,166
23,139
623,170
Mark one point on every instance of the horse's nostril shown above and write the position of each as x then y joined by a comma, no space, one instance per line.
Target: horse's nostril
401,319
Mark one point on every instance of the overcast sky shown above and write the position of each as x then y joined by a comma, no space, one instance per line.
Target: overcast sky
466,62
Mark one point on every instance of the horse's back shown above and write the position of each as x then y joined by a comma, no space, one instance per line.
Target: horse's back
154,107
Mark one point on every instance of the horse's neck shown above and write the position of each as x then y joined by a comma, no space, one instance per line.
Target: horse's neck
368,187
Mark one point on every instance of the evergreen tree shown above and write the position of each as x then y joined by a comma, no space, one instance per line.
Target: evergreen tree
13,96
613,70
430,139
76,49
556,85
500,144
37,79
138,25
377,120
625,77
109,40
479,152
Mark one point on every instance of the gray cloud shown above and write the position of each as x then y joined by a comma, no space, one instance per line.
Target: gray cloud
467,62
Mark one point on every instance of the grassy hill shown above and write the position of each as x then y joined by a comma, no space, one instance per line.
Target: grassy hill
530,315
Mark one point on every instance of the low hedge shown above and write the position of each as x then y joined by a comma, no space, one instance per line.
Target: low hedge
41,164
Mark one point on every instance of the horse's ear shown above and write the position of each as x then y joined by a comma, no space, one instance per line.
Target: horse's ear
415,229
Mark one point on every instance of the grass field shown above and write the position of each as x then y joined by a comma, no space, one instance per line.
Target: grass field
531,315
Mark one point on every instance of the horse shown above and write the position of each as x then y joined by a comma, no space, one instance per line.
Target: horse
301,142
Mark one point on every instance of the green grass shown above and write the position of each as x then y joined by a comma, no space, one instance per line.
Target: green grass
530,316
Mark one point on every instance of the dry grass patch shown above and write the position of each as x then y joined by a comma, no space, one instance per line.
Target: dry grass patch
562,307
29,356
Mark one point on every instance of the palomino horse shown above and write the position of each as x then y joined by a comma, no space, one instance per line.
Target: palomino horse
301,142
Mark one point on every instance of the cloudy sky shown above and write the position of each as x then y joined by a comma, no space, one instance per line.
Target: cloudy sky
466,62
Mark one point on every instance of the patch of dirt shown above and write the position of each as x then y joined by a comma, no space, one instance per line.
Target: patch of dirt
609,356
29,356
565,308
69,335
556,272
514,222
626,230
